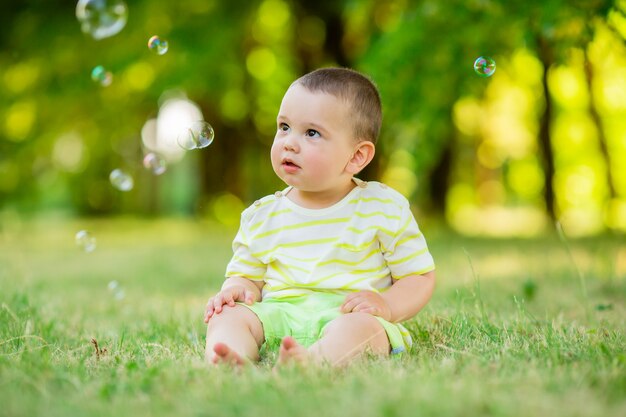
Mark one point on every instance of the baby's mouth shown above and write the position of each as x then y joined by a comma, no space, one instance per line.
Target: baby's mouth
288,163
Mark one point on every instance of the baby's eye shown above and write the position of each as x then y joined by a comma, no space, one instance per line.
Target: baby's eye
312,133
283,127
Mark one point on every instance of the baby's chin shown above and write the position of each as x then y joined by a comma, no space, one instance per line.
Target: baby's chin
290,180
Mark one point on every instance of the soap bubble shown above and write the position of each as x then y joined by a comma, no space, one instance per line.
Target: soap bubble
116,290
101,18
154,163
484,66
121,180
100,75
85,241
186,141
192,337
198,135
157,45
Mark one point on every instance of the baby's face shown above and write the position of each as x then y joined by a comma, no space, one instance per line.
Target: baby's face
314,140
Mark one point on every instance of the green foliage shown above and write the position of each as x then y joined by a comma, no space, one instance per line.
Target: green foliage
61,134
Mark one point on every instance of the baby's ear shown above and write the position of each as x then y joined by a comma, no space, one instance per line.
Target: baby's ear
363,155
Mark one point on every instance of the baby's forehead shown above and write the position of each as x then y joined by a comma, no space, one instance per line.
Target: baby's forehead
339,93
338,98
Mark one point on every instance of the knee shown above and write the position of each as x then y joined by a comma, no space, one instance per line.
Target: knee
237,317
230,316
361,328
363,323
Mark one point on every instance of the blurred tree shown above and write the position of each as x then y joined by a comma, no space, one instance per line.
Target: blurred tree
423,62
553,28
62,134
418,59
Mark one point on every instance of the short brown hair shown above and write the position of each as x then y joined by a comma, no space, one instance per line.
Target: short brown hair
355,88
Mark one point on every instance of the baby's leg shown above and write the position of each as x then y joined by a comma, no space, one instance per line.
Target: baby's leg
345,338
234,336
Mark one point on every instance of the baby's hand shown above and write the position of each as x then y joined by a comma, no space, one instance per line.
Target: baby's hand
227,296
367,302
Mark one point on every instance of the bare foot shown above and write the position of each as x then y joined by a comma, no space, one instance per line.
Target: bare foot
224,354
291,352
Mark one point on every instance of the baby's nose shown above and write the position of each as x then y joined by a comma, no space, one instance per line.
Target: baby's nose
290,143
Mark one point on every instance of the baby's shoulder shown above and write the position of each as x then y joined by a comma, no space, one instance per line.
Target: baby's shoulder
262,206
378,191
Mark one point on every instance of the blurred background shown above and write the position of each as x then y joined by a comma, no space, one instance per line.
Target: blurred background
541,140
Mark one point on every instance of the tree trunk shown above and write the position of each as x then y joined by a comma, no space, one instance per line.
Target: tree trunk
439,179
547,59
593,111
330,12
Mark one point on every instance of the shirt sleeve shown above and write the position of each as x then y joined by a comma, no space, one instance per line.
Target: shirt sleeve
243,263
407,253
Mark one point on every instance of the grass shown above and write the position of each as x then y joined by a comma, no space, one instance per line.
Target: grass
516,328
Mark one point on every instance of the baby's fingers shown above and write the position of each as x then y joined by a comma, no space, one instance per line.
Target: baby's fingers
350,305
350,297
359,308
208,310
363,306
248,297
351,301
218,302
230,300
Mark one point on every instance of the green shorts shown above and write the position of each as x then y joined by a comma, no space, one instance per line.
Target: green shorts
305,318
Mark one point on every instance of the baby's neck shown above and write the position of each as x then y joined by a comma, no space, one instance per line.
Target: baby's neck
319,199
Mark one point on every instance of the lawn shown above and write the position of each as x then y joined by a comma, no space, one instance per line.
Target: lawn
529,327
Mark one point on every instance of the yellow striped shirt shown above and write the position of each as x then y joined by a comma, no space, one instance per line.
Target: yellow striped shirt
359,243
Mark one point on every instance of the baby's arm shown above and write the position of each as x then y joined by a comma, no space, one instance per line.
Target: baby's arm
234,289
403,300
409,295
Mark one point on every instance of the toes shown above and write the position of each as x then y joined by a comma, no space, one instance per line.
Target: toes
288,343
292,353
224,354
221,349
